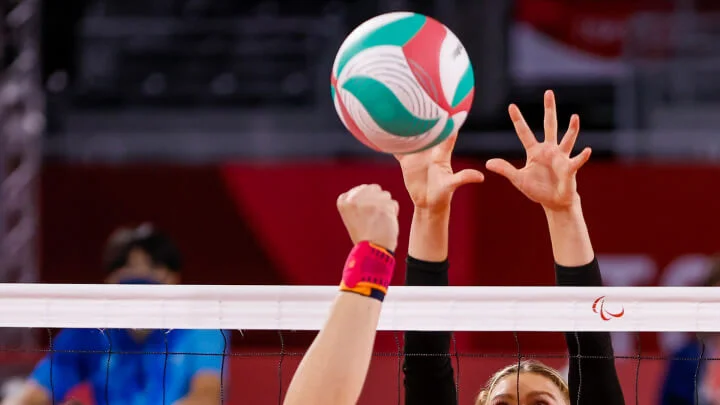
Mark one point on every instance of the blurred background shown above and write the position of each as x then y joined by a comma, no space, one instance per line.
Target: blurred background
212,119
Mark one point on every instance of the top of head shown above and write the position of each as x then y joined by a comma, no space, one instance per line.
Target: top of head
159,248
537,382
402,82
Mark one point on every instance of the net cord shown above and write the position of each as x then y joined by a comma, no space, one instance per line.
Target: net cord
579,365
638,354
280,367
110,352
697,371
399,350
538,309
519,363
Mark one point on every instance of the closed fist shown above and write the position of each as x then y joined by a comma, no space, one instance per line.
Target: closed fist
370,214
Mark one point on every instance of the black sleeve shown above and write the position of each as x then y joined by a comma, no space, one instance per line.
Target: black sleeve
592,380
429,377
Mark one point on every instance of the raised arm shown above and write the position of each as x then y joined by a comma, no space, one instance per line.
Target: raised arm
549,178
333,370
430,181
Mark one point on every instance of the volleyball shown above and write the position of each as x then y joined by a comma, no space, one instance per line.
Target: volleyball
402,82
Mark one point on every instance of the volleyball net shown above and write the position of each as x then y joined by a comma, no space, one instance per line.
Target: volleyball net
265,330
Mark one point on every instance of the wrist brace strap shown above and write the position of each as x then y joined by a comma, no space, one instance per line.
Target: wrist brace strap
368,271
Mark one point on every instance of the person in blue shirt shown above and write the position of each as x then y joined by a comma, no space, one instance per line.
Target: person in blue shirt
133,367
689,380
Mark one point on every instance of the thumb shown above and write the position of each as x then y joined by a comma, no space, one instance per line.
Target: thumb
466,176
503,168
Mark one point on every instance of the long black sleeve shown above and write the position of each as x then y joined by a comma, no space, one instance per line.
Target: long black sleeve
594,380
429,376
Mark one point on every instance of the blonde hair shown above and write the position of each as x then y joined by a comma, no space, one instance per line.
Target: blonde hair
529,366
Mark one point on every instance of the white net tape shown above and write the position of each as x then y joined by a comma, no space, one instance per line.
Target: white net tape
541,309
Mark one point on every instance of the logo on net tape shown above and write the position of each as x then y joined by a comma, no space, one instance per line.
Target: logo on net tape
599,308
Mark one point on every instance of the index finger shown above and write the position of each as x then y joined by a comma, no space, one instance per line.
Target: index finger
527,138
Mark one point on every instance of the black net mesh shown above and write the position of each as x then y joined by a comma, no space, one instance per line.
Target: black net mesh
257,366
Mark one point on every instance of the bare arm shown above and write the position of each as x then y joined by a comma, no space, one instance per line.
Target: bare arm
205,389
31,394
333,370
569,236
429,235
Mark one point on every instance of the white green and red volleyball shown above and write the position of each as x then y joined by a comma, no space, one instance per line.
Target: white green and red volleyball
402,82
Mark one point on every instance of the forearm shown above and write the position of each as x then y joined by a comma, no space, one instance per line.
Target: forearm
429,235
429,376
427,266
419,344
569,235
205,389
31,394
592,371
587,344
333,370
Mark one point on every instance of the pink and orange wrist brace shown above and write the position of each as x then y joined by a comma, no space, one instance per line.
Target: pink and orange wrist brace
368,271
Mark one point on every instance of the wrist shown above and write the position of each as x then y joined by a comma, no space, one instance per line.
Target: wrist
431,214
569,217
569,236
388,245
572,209
368,270
429,235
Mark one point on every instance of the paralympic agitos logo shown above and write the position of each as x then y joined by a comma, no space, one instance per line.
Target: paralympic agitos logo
599,308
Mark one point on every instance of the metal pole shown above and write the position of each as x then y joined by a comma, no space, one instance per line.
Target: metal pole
22,122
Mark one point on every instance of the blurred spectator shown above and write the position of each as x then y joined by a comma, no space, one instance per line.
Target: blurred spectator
105,359
687,376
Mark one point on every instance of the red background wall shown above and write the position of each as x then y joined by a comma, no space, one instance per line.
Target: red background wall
260,224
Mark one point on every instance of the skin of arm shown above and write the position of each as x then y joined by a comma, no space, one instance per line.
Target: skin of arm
429,235
205,389
549,179
206,371
431,182
334,369
31,394
569,236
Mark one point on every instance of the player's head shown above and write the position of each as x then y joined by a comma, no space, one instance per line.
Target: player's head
141,255
536,383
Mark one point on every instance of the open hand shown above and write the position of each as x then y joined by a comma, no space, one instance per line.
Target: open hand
548,177
429,177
